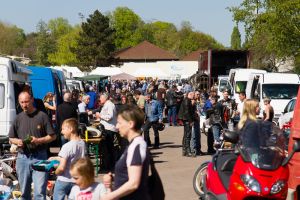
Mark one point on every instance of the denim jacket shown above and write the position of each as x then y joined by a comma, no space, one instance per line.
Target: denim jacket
153,111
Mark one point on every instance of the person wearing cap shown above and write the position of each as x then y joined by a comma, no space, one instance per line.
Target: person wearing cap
93,98
154,115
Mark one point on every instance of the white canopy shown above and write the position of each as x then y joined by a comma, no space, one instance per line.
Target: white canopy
106,71
150,72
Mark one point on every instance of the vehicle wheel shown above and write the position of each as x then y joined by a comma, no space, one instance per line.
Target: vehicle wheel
199,180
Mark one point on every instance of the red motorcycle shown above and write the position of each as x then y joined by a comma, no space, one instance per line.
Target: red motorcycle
255,171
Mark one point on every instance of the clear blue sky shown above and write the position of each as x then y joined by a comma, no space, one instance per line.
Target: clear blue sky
208,16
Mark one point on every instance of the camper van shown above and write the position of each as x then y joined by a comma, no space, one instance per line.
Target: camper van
238,79
13,78
279,87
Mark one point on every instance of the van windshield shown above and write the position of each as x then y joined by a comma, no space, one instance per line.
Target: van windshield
280,91
240,86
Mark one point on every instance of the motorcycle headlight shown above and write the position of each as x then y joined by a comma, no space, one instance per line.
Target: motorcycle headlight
251,183
277,187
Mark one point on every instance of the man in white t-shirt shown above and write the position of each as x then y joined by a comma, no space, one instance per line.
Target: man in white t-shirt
240,107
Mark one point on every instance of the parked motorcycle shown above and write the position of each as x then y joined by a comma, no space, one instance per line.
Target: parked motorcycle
257,171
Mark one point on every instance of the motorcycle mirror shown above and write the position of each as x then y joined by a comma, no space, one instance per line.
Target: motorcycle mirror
296,148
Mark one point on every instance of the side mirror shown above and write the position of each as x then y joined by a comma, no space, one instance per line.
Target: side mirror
296,148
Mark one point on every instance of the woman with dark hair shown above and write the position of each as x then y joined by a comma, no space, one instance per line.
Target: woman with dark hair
269,110
131,170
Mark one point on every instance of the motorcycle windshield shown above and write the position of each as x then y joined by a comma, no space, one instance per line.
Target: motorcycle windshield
267,153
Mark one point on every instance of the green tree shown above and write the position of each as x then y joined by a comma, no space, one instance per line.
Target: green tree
277,22
12,39
59,27
126,24
165,35
45,44
64,55
236,38
29,48
95,42
191,40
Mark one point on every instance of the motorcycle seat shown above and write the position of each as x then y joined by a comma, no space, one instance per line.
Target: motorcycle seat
225,164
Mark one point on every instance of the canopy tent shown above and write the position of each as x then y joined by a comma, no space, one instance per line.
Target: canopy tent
106,71
150,72
92,77
123,76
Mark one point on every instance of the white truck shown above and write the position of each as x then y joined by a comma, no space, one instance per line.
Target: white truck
279,87
13,78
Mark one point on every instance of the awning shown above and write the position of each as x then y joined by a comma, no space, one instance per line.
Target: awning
123,76
106,71
150,72
92,77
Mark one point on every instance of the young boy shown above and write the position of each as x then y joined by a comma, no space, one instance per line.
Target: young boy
71,151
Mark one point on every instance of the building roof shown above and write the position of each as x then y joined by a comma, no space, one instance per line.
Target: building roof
145,51
193,56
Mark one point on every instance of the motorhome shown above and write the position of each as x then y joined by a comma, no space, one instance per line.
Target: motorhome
13,78
279,87
238,79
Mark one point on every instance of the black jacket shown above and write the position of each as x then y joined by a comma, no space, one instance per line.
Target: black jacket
215,113
65,111
187,110
172,97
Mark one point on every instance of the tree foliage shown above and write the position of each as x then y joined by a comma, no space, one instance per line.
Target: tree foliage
236,38
126,23
45,44
272,27
59,27
95,42
65,44
12,39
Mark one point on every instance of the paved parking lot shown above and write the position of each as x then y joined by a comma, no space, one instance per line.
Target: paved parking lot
175,170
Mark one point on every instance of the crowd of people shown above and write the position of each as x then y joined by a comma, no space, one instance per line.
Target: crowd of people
127,111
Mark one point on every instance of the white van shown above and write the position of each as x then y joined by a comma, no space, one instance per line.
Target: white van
13,77
74,84
279,87
238,79
223,84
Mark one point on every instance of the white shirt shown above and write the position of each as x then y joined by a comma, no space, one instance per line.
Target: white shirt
240,108
81,107
108,116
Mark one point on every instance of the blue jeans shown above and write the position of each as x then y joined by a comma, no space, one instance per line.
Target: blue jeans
172,112
26,175
216,129
62,189
196,138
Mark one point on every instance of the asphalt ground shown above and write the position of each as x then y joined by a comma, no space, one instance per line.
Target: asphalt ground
176,171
